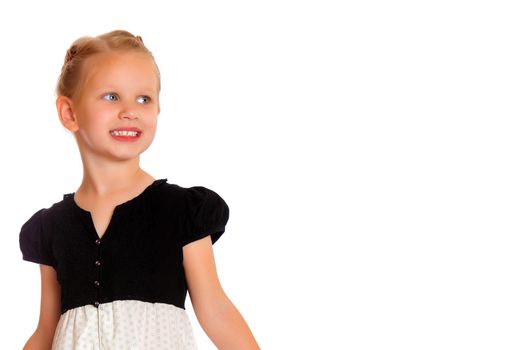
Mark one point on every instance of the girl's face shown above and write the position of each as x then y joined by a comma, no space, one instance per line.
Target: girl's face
117,91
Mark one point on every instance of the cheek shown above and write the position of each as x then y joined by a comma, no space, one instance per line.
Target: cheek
102,116
150,119
152,126
96,119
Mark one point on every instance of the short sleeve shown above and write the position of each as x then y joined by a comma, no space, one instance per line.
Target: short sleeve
34,243
206,214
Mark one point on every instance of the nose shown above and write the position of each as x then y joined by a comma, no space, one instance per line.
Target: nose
129,114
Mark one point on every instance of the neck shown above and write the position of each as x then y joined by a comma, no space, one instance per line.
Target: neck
103,180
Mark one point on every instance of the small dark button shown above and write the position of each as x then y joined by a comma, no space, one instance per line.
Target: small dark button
97,263
97,242
97,283
96,304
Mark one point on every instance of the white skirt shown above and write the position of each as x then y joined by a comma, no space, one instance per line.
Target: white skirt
126,325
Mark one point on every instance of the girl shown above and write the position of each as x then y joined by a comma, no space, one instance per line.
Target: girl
118,256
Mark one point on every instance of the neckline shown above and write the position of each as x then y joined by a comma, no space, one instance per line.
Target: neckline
129,201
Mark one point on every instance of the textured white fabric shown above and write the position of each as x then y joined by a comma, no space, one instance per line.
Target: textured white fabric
125,325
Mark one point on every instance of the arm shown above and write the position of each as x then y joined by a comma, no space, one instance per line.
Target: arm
42,338
217,315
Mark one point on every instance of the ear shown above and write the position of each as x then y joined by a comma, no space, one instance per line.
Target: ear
65,113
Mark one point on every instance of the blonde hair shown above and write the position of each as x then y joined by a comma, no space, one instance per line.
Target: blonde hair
86,46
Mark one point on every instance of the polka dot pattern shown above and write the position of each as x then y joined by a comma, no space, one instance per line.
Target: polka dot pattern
125,325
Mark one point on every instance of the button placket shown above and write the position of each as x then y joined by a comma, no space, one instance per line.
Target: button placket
96,283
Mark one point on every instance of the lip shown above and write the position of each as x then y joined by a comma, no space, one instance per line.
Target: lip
126,138
132,128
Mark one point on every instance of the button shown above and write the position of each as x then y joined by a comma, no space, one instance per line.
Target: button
97,242
97,263
96,303
97,283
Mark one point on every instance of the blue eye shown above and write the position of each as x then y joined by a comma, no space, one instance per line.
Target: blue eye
145,97
110,94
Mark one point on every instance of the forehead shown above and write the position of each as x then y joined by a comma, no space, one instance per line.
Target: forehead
118,70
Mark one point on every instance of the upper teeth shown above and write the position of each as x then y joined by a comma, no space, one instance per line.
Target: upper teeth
124,133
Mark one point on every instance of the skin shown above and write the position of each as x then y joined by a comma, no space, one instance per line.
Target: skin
120,89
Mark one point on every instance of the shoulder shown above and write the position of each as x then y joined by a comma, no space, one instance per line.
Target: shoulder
40,221
45,214
206,213
167,195
36,235
197,196
187,196
205,207
34,222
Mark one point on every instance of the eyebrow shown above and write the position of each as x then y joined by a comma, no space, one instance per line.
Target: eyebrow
111,89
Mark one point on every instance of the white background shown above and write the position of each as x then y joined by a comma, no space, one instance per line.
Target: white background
371,154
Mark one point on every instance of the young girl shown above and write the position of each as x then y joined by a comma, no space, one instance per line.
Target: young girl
118,256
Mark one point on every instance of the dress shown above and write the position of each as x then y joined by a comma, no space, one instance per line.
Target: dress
127,289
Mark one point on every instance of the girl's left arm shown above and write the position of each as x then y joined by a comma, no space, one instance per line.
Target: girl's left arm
217,315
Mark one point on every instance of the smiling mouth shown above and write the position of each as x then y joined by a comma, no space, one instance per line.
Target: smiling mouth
128,133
